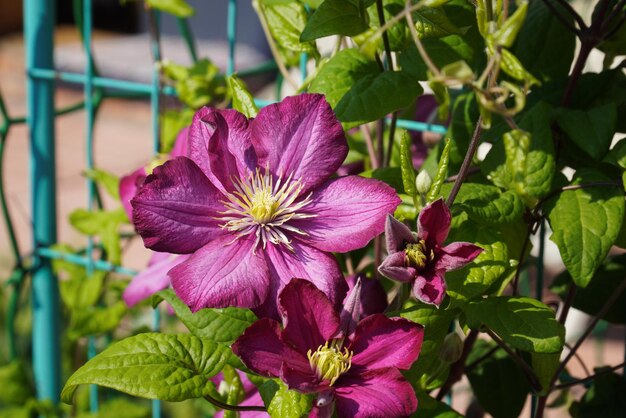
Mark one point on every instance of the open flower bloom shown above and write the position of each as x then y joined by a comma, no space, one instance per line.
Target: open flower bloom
255,206
154,278
421,259
356,372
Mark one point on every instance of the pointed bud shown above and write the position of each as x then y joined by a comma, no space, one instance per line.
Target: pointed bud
423,182
351,312
451,348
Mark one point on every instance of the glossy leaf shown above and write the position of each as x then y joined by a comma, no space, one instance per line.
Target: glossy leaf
282,402
429,407
241,97
592,130
336,17
286,21
433,23
486,204
585,223
522,323
155,366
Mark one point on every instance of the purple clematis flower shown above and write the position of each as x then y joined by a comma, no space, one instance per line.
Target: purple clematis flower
421,259
373,298
356,372
154,278
255,206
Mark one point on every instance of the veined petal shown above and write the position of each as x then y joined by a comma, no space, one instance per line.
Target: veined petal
430,287
349,212
394,267
221,274
375,393
301,136
456,255
181,145
301,377
219,143
433,223
397,235
303,262
175,209
128,188
381,342
309,319
261,349
153,279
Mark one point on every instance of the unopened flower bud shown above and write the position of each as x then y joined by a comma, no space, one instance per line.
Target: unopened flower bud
452,348
423,182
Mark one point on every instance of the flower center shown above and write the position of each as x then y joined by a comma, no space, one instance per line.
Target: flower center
330,361
264,206
416,254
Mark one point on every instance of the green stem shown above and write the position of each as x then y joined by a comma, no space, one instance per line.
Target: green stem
229,407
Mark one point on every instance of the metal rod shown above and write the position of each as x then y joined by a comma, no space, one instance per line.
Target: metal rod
231,30
39,17
50,253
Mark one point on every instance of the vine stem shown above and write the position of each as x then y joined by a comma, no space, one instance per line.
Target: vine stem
591,377
458,367
528,372
418,42
390,23
473,146
229,407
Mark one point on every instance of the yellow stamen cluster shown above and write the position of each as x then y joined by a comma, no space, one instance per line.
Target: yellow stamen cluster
329,361
416,254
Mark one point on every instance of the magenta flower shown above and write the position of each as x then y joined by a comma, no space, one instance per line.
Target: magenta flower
255,206
421,259
357,373
154,278
373,298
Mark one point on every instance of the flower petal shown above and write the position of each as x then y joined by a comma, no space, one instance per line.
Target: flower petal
181,145
397,235
128,188
219,143
394,267
304,262
430,287
376,393
349,212
301,136
175,209
153,279
373,295
221,274
433,223
261,349
301,377
309,319
386,342
456,255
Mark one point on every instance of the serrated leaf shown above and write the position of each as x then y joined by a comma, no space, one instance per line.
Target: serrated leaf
375,96
222,325
179,8
155,366
592,298
340,73
282,402
591,130
336,17
241,97
504,400
523,161
522,323
585,223
487,205
109,181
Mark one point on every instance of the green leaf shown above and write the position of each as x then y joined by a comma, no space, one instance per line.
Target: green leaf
605,397
434,23
617,154
155,366
95,222
442,173
442,51
604,283
585,223
242,99
172,122
340,73
109,181
80,291
545,365
282,402
197,85
524,160
16,388
286,21
119,407
507,33
179,8
375,96
406,165
504,400
487,205
222,325
95,320
336,17
545,47
513,67
429,407
523,323
390,175
592,130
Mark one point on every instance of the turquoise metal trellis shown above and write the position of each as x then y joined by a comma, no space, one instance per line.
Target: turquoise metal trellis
39,18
